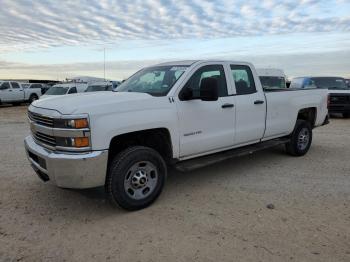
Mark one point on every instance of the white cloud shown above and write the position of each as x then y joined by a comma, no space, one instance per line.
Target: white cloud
48,23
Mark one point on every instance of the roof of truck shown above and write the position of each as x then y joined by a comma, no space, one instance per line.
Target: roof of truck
191,62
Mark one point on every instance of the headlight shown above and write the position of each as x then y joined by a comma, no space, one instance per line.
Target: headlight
72,123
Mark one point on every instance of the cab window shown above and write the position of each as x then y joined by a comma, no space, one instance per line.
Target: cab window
15,85
5,85
244,80
214,71
72,90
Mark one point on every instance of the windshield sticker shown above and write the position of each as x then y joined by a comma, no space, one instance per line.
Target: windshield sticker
178,68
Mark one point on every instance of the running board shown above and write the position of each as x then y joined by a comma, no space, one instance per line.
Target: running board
192,164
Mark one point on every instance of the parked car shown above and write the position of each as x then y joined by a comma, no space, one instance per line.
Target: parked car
339,91
303,82
100,86
12,92
182,114
272,78
64,89
43,87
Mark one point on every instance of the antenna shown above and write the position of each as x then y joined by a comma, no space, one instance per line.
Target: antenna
104,64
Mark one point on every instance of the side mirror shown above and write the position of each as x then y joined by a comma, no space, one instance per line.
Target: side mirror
209,90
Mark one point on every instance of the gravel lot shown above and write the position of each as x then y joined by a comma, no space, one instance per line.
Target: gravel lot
213,214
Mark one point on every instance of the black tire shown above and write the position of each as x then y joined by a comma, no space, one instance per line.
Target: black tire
32,98
300,147
346,115
119,172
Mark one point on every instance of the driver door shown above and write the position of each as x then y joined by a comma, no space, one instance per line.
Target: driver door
5,92
206,125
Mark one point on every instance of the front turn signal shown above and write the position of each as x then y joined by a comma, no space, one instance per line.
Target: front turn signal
81,142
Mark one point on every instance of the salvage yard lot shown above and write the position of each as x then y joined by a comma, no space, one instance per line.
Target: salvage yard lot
213,214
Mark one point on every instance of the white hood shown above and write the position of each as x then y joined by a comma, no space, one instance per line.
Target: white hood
97,102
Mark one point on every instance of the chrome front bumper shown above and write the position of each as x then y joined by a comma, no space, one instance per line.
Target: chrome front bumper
79,170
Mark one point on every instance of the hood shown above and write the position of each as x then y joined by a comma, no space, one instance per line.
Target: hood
95,102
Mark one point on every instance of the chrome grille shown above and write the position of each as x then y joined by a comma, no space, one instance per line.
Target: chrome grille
40,119
45,139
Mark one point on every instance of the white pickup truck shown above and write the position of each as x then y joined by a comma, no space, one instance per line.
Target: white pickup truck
13,92
183,114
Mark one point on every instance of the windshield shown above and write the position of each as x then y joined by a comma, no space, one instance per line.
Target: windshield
330,82
156,81
99,88
57,90
272,82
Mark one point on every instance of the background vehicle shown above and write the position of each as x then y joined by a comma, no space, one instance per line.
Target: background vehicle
184,114
43,87
13,92
338,90
272,78
100,86
64,89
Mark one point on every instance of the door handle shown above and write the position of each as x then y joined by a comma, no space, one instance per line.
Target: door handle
258,102
227,105
10,90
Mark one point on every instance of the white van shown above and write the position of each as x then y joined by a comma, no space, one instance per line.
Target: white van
65,89
271,78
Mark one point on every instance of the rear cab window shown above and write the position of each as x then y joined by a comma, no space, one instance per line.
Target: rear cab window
273,82
244,80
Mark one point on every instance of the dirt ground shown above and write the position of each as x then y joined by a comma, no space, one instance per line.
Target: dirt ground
214,214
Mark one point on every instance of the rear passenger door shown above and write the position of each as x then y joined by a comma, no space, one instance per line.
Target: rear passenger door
250,106
17,92
5,92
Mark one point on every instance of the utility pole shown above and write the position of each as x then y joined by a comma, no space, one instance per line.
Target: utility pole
104,63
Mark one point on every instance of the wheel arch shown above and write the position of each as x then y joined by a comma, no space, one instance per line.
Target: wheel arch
158,139
308,114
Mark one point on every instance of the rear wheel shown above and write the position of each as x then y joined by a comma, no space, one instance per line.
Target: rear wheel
32,98
135,178
346,115
301,139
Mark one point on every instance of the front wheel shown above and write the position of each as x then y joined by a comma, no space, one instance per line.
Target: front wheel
135,178
301,139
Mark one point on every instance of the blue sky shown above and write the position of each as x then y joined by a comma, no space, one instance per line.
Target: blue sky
59,39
